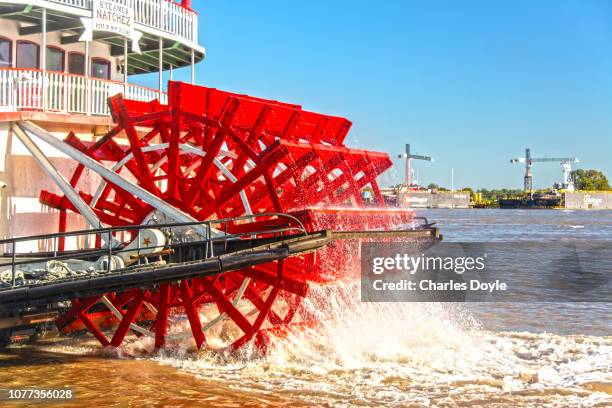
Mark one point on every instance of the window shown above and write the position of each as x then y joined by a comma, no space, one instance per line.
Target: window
5,53
54,59
27,54
76,63
100,68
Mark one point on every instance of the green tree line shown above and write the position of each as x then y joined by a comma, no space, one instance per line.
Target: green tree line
591,180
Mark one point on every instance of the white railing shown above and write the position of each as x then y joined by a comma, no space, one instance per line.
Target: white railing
25,89
162,15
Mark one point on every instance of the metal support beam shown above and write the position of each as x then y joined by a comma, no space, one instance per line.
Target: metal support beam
19,12
139,66
119,316
150,62
87,81
112,177
192,67
59,180
161,66
43,57
36,29
71,39
125,65
148,47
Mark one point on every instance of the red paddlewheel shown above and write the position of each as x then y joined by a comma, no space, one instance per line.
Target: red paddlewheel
214,154
266,300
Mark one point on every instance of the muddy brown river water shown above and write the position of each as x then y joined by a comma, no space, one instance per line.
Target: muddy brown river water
369,354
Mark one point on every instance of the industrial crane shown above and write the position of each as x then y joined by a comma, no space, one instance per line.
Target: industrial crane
566,166
409,156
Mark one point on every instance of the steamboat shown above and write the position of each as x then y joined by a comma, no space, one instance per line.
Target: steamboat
178,211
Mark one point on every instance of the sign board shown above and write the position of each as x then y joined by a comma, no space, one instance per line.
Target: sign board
114,17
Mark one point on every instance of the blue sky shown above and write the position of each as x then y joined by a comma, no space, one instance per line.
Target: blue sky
471,83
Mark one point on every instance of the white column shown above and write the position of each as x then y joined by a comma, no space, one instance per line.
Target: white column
161,66
87,81
125,66
171,71
192,67
43,57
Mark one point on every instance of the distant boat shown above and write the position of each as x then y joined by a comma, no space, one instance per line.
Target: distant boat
550,199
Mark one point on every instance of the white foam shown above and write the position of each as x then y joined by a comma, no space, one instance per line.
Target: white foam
400,353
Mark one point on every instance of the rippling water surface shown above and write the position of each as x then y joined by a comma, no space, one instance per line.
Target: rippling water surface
397,354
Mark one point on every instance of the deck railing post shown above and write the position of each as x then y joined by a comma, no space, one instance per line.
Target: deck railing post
161,66
225,239
192,67
88,83
13,263
43,61
138,245
15,96
210,252
67,82
125,68
109,242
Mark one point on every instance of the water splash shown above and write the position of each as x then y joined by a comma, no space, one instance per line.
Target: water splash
401,353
